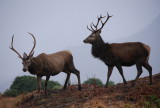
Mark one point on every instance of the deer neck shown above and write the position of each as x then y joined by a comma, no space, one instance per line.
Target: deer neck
32,68
101,50
98,47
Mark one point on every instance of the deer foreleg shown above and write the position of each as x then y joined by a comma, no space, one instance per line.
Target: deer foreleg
110,68
39,83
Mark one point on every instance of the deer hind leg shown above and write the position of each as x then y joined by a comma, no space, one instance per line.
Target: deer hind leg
46,83
139,72
110,68
149,68
77,73
67,78
121,72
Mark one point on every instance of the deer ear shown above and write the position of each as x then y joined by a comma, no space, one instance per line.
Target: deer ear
31,54
25,56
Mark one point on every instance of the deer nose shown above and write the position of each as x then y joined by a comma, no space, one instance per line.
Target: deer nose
24,69
85,41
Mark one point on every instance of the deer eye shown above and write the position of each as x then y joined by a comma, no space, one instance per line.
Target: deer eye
28,62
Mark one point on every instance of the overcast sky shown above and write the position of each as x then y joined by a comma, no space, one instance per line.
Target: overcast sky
59,24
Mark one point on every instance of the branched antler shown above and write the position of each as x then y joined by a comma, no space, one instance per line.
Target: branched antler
33,43
12,48
99,20
104,22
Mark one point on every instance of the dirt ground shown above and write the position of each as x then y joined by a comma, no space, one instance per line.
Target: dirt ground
91,96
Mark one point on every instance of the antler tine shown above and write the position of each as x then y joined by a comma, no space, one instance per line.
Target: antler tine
99,19
12,48
105,21
33,42
92,27
89,29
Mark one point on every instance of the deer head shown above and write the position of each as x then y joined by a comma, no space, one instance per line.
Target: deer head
26,59
94,29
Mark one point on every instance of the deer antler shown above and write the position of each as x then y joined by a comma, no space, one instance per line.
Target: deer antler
96,26
104,22
99,19
12,48
33,42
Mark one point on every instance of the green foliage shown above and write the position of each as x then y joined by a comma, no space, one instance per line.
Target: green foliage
51,84
97,82
111,83
153,102
26,84
128,106
94,81
10,92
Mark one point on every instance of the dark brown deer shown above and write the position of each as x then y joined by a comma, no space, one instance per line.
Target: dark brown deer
118,54
48,65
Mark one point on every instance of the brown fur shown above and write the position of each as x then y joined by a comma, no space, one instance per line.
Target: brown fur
48,64
52,64
120,54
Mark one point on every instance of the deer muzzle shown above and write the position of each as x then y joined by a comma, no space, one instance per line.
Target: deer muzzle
24,69
85,41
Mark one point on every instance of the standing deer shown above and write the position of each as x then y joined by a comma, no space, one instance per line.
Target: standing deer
48,65
118,54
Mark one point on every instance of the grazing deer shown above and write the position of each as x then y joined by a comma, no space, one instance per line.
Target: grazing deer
48,65
118,54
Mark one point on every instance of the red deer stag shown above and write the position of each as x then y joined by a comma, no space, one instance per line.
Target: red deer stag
118,54
48,65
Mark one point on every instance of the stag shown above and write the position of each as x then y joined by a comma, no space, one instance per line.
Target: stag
48,65
118,54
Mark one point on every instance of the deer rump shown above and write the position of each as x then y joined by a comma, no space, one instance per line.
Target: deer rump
124,54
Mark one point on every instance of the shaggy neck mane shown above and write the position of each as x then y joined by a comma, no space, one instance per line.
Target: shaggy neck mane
100,49
33,68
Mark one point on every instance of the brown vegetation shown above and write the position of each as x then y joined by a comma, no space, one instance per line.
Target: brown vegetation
91,96
7,102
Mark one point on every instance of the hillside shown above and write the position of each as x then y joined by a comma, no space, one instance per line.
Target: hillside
91,96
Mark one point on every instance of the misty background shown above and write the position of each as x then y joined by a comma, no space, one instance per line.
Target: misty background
61,25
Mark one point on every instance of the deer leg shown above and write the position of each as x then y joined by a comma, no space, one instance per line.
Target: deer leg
110,69
46,83
149,68
139,72
77,73
39,83
67,78
121,72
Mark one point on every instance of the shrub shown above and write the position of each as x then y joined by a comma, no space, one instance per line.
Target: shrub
95,81
98,82
11,92
26,84
111,83
153,102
